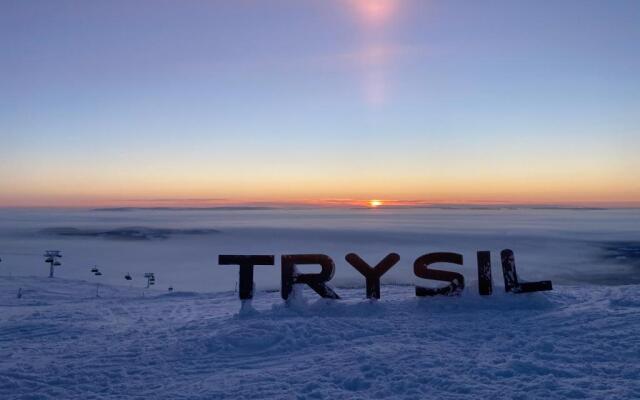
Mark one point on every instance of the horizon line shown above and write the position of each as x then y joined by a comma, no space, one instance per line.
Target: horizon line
176,205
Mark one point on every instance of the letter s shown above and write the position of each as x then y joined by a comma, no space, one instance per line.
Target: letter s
421,270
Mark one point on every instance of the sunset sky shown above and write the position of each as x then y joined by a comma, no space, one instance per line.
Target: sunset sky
324,102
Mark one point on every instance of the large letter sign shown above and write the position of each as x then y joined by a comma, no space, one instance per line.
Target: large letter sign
421,267
291,276
246,264
511,283
422,270
372,275
485,283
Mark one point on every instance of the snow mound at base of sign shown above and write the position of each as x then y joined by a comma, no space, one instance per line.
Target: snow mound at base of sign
61,342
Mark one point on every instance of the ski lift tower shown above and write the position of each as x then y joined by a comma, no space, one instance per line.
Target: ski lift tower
151,278
51,257
97,272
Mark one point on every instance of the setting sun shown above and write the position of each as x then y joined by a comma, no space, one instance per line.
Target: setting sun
375,203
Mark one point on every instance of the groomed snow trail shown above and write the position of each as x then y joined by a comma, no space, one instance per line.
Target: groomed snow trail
60,342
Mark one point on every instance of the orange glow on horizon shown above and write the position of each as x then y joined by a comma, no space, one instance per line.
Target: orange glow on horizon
405,185
92,202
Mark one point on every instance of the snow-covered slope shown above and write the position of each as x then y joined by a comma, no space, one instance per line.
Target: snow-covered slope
61,342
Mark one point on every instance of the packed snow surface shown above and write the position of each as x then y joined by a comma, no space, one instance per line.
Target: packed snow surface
59,341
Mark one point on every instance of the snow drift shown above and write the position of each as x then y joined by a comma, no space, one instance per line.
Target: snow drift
60,341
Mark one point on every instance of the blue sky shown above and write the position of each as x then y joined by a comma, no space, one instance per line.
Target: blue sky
443,101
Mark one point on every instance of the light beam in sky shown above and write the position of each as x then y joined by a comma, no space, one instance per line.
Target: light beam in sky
375,16
375,12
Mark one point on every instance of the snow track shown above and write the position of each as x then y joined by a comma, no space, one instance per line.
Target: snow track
60,342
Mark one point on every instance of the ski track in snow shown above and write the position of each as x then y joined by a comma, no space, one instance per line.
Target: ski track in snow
60,342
